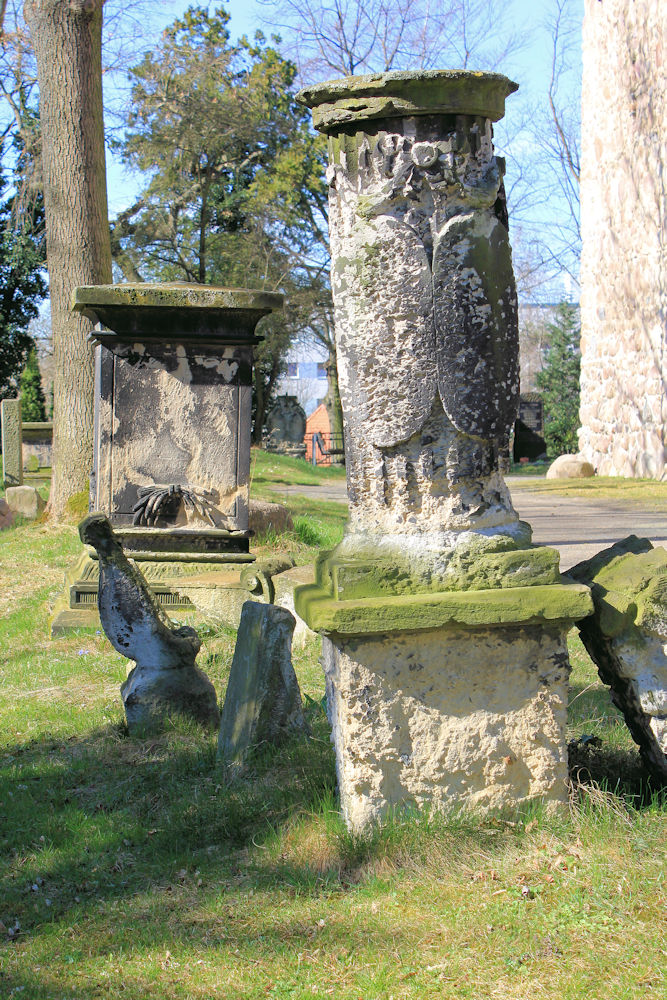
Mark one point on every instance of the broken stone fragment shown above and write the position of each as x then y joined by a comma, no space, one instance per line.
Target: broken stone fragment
165,680
626,637
263,700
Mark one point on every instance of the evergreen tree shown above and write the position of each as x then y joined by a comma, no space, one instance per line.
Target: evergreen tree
235,191
559,382
22,286
33,404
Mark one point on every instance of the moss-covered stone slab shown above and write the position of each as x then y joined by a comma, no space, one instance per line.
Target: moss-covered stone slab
338,103
414,612
626,638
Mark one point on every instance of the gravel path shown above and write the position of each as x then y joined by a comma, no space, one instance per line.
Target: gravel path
577,527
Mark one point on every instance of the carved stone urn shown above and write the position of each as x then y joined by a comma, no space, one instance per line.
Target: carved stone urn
444,649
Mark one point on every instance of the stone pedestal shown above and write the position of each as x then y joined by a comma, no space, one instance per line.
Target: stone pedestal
448,718
445,655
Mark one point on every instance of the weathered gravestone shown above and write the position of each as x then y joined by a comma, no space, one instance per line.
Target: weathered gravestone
165,680
12,459
445,628
286,427
263,700
173,388
626,638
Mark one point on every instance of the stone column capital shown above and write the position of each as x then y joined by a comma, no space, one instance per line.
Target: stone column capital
336,104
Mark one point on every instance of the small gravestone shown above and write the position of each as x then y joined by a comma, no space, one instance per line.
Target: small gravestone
263,700
12,460
165,679
626,638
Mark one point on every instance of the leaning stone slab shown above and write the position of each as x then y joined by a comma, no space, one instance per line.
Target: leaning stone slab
165,679
263,700
25,500
626,638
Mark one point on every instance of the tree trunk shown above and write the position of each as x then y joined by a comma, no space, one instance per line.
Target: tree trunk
67,38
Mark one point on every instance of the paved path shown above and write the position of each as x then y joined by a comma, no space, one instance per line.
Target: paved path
577,527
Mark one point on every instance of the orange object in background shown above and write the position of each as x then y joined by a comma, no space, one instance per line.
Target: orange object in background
317,423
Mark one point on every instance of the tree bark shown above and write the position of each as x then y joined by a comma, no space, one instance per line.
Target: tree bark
67,39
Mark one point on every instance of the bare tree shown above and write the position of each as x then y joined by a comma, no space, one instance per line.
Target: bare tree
67,37
348,37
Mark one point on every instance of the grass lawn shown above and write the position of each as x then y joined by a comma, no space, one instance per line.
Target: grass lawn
135,868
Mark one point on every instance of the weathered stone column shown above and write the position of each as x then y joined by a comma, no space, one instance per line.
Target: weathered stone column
445,659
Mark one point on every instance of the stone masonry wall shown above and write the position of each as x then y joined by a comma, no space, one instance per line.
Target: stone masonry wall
624,234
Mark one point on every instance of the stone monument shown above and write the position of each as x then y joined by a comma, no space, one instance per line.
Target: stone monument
623,238
12,459
172,440
444,649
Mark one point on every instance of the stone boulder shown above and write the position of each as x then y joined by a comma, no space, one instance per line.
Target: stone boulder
264,516
570,467
626,638
25,501
6,515
263,700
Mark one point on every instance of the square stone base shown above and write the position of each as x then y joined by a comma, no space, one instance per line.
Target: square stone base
450,717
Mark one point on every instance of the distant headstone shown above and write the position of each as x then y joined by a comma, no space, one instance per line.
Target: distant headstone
263,700
165,679
25,500
626,638
12,459
286,426
531,411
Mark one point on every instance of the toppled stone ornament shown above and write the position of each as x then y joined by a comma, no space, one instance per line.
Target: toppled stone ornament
626,638
263,700
445,628
165,679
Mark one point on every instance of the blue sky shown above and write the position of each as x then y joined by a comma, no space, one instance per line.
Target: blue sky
539,218
530,66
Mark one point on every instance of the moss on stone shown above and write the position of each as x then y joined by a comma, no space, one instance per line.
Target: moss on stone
629,585
415,612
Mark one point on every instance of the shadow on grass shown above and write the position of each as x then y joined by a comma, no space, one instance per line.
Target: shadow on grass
106,816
